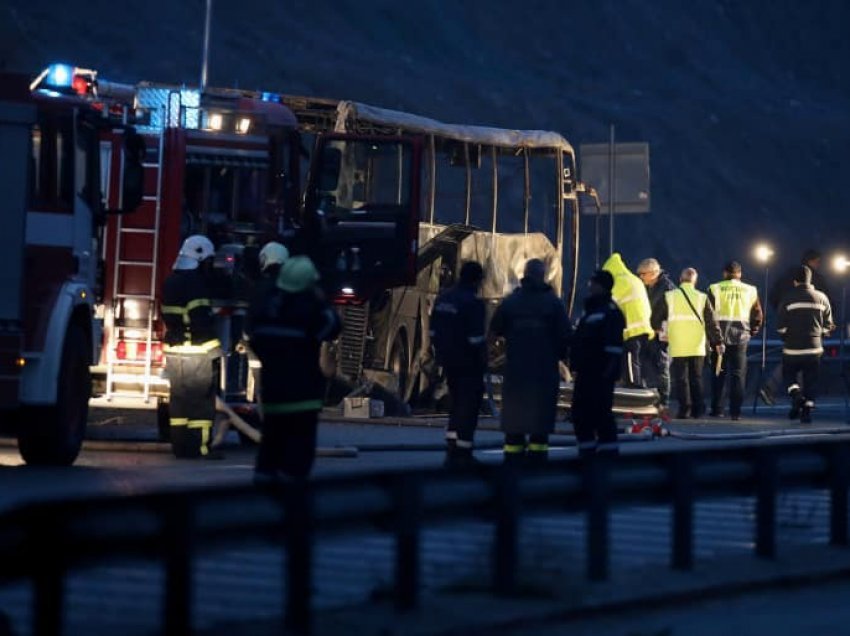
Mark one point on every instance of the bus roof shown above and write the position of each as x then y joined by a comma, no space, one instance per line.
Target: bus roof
349,112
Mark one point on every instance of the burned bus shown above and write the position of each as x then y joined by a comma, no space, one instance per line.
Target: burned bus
397,201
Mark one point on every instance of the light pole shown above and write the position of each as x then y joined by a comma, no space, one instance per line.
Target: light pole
840,265
763,253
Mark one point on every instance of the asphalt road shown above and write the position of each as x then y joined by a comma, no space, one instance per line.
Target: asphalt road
243,582
133,462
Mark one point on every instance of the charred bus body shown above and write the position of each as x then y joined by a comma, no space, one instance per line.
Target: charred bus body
432,195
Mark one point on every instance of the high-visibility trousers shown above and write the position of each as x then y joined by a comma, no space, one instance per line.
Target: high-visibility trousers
192,377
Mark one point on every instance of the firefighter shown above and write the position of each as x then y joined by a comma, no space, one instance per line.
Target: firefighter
690,323
631,297
805,316
812,259
738,310
595,360
458,334
655,359
270,259
192,348
537,330
287,328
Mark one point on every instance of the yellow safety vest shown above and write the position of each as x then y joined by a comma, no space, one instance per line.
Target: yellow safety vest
733,301
685,329
631,297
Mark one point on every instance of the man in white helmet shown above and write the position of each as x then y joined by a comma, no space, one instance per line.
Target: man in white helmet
191,348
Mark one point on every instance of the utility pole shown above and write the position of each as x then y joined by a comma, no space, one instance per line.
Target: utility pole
205,62
612,190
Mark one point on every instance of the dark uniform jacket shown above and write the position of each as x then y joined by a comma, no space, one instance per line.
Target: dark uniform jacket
804,318
537,332
597,347
186,308
785,284
656,299
286,332
457,331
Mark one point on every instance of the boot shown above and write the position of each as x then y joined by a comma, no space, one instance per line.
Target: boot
459,458
806,412
796,403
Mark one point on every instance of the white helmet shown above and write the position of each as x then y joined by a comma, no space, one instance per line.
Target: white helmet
272,254
195,249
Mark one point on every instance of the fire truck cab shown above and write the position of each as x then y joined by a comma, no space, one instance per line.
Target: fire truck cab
54,203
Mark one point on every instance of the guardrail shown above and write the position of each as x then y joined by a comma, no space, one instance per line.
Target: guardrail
42,542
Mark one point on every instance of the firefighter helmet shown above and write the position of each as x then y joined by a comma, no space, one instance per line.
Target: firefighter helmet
273,254
297,274
195,249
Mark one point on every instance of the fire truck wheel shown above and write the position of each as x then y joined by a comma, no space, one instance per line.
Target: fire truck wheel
53,435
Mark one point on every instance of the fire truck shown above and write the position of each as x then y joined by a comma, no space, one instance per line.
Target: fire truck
220,162
59,188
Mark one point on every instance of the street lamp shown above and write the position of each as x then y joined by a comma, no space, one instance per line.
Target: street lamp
840,265
763,253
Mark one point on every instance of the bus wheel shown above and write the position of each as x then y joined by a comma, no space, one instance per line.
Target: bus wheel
53,435
400,364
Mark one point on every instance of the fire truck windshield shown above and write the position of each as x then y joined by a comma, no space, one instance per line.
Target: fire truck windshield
222,199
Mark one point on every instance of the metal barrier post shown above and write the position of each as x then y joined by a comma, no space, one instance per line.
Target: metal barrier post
839,477
767,480
596,490
506,544
299,557
681,476
177,605
409,511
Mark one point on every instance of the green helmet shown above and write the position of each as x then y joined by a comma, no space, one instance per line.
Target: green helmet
297,274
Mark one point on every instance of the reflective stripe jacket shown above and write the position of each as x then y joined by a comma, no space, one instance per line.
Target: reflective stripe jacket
737,309
286,332
804,318
687,328
631,297
187,309
457,331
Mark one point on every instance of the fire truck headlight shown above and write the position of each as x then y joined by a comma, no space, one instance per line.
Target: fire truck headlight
215,121
243,126
348,291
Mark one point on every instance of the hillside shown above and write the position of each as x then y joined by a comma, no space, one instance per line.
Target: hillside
745,105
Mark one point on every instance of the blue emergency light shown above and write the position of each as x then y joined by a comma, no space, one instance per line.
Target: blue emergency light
59,76
270,97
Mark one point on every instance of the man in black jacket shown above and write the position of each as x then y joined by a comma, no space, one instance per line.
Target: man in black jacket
192,349
805,316
654,356
457,333
785,283
287,328
595,359
537,331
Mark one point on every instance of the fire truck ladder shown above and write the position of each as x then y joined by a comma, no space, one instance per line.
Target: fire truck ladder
115,366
